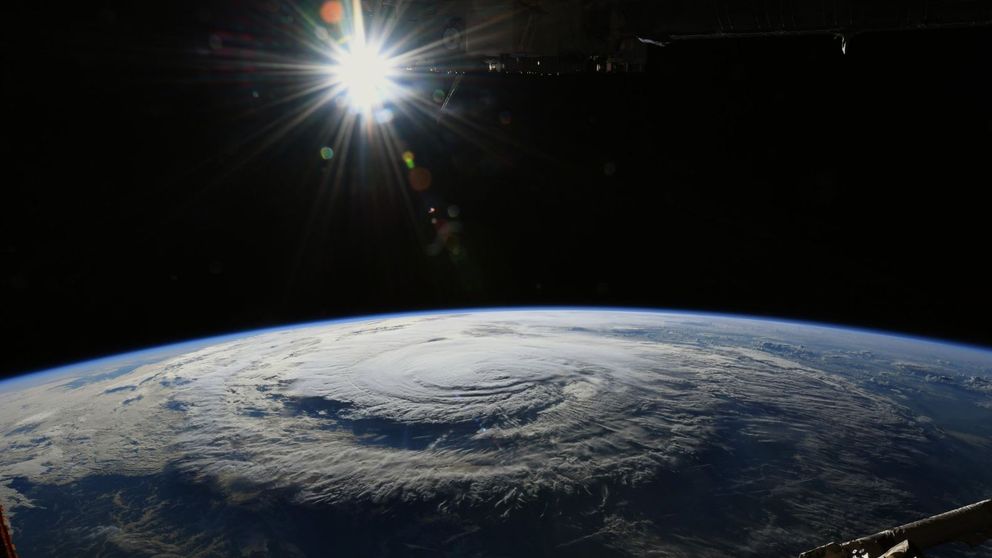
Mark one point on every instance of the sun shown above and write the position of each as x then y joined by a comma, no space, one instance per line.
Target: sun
366,75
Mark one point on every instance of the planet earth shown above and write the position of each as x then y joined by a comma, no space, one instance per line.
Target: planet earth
517,432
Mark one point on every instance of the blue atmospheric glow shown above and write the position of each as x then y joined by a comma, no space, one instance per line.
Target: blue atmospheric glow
160,352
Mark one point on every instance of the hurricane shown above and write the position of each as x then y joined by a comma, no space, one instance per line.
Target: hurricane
732,429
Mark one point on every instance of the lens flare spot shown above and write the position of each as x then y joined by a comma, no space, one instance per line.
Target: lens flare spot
420,179
332,12
384,116
454,211
408,159
505,117
326,153
439,96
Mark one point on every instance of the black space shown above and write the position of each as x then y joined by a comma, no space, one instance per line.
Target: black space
763,176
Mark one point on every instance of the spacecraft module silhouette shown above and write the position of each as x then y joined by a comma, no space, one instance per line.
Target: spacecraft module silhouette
608,36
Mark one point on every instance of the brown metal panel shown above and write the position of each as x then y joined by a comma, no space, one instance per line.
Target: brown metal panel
7,549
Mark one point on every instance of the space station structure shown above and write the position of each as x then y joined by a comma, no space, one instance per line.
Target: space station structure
7,548
557,36
971,525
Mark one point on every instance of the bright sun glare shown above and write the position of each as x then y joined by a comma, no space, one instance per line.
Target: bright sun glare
365,74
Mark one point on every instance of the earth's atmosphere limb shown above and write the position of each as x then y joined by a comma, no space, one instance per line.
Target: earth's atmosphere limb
524,432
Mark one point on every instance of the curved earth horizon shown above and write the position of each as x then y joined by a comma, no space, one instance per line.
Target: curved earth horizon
512,432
